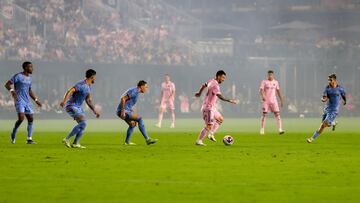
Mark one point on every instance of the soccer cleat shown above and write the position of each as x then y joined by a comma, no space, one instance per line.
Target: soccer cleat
211,137
281,131
66,143
78,146
158,125
151,141
310,140
12,141
172,125
334,125
129,143
30,142
200,143
262,131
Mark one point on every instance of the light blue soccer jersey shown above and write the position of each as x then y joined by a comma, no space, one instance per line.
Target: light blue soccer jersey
133,94
22,85
78,97
334,96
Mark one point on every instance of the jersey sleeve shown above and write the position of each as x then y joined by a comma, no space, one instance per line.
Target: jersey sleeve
14,79
325,92
131,93
216,90
277,85
77,87
262,85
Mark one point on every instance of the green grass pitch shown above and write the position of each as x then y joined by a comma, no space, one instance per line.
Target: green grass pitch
256,168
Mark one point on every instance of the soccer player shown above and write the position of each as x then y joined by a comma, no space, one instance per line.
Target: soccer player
73,101
268,90
211,115
22,92
126,113
332,96
167,100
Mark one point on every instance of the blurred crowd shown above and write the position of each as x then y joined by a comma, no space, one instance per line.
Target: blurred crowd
60,30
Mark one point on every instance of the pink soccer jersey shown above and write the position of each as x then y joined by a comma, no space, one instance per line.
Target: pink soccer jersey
168,89
211,98
270,88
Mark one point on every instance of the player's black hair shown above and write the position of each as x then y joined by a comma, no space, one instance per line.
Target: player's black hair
141,83
270,71
90,73
25,64
220,73
332,76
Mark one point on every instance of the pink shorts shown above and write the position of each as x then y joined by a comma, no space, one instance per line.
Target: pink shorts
270,106
210,116
167,103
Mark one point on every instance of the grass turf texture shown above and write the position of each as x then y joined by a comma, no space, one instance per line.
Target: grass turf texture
256,168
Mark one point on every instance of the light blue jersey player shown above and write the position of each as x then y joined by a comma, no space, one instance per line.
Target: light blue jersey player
332,96
73,100
125,112
20,87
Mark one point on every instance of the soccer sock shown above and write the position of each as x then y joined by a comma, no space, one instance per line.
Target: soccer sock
74,131
160,117
82,126
278,120
315,135
214,128
202,134
30,130
142,128
129,132
172,116
17,125
263,119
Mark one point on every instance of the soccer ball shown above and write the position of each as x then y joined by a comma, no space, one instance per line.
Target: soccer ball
228,140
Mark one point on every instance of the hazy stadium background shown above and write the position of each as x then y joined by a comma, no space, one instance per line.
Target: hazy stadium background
129,40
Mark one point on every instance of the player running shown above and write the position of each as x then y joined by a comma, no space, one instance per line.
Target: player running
73,101
211,115
126,113
332,96
167,100
22,92
268,90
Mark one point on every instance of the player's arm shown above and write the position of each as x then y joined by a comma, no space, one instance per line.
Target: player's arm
8,85
278,91
172,96
67,96
261,92
343,96
203,86
220,96
90,104
123,101
32,95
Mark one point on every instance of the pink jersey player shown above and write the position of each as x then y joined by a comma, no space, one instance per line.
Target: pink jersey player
268,90
211,115
167,100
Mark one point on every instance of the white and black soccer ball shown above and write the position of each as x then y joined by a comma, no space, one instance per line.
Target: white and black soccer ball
228,140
